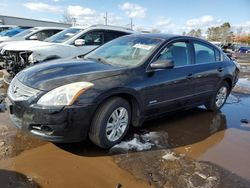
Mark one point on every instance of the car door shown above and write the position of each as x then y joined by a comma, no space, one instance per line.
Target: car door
93,39
169,89
208,68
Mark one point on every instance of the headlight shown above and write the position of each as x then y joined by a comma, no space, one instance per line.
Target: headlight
32,59
64,95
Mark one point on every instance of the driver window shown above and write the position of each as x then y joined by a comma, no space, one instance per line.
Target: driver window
177,52
93,38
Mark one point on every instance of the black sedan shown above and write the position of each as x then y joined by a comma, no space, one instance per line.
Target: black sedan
120,84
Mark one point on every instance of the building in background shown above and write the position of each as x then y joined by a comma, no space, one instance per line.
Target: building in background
11,20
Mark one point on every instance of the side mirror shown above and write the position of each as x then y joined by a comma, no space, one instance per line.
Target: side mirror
33,37
162,64
79,42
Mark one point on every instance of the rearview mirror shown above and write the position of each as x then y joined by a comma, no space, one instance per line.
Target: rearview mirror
33,37
162,64
79,42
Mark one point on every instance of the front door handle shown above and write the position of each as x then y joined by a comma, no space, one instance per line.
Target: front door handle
189,77
220,69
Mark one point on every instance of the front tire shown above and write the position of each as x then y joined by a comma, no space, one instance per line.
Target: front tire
219,97
110,123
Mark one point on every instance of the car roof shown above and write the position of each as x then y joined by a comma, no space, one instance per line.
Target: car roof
41,28
8,26
109,27
162,36
166,37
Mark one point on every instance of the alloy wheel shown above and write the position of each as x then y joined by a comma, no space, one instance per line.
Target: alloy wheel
117,124
221,96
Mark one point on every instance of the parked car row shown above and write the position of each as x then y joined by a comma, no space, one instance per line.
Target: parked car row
6,34
104,91
232,48
70,42
244,49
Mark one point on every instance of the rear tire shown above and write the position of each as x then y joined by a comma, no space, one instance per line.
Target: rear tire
110,123
219,98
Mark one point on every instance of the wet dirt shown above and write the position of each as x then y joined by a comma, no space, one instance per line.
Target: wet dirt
12,140
164,168
193,148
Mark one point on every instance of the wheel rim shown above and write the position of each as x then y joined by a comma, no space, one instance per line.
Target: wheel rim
221,96
117,124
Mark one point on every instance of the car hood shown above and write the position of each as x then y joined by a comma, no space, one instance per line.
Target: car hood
49,75
26,45
7,42
4,38
13,39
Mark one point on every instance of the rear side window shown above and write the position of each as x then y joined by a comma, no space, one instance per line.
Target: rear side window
204,53
177,52
93,38
110,35
42,35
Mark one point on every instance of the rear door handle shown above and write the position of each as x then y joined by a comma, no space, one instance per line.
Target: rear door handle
189,77
220,69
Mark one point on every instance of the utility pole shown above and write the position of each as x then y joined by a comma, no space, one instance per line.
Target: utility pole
106,18
131,23
73,21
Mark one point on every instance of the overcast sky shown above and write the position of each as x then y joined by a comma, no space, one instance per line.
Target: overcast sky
173,16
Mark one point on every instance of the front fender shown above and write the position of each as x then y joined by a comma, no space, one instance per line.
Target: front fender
118,92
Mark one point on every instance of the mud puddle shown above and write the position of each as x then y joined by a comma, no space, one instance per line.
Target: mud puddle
194,148
51,166
29,162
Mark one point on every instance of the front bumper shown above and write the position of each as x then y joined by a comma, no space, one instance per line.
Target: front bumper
68,124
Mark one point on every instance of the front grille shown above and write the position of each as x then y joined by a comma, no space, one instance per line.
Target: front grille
20,92
14,61
12,55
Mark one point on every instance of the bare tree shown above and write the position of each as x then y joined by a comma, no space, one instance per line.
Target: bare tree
198,33
193,33
221,33
67,18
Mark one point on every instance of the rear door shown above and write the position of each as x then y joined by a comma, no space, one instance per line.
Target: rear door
170,89
208,68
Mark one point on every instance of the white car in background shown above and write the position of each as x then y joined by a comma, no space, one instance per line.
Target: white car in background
35,33
6,27
70,42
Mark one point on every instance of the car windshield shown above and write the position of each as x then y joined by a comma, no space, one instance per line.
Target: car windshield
11,32
128,51
64,35
25,32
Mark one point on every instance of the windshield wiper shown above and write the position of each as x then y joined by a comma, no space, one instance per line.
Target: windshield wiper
99,59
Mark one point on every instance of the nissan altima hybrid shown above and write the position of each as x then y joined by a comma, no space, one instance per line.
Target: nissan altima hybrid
120,84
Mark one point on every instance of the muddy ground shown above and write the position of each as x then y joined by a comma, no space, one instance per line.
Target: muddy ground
194,148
